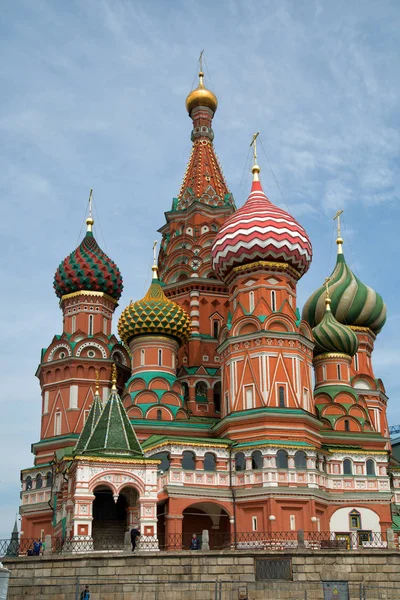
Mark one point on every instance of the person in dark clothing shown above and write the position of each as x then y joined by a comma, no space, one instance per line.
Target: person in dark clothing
195,543
37,546
135,533
85,594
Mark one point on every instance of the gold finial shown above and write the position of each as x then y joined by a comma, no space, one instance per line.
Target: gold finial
327,297
255,169
154,268
114,377
90,220
201,96
97,392
339,240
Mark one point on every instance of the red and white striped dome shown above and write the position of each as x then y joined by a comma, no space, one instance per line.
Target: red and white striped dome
260,231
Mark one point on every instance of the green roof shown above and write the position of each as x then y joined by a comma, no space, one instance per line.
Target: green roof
113,433
91,422
396,523
154,440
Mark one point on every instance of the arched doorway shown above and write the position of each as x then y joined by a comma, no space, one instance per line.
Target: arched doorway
109,519
112,518
206,515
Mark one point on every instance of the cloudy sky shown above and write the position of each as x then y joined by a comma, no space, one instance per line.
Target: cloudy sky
93,95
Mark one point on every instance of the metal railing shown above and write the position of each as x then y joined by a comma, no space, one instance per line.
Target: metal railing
254,540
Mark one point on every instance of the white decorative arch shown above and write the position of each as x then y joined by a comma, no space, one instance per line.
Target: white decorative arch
91,345
339,521
58,347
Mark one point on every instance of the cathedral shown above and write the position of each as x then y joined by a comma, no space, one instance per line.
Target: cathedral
221,405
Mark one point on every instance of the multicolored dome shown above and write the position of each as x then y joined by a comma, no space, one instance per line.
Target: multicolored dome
260,231
154,314
332,336
352,302
88,268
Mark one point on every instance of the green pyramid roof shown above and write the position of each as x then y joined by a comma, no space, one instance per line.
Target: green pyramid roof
113,433
91,422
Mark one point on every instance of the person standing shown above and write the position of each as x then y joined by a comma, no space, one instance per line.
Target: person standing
195,543
135,533
85,594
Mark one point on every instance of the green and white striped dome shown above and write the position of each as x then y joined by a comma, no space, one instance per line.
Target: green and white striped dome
332,336
352,302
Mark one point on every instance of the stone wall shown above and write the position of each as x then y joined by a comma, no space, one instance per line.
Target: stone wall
202,575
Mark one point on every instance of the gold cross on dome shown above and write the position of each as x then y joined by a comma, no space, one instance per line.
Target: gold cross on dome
254,144
155,251
326,284
337,216
201,60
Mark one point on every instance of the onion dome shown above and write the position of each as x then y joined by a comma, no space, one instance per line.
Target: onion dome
260,231
154,314
332,336
201,96
88,268
352,302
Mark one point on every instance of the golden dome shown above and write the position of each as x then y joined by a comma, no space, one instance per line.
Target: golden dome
201,96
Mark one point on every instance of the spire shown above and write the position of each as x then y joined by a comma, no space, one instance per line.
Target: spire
13,546
327,297
91,421
339,240
203,180
113,433
90,220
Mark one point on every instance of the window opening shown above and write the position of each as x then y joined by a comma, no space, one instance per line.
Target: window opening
256,460
188,461
281,393
90,329
282,459
240,462
347,467
209,462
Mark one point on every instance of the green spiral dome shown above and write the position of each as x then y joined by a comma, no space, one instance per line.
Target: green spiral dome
332,336
352,302
154,314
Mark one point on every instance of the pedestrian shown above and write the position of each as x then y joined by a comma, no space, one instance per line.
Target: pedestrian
37,546
195,543
135,533
85,594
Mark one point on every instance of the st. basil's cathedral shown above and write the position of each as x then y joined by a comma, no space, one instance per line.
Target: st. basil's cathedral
221,406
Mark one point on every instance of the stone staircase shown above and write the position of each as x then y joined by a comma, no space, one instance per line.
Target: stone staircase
108,535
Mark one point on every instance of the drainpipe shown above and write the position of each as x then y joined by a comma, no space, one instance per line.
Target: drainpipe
233,498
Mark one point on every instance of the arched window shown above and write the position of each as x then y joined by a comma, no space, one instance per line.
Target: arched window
251,301
324,464
339,374
273,300
217,396
347,467
90,328
159,415
256,460
28,483
215,329
160,358
185,391
300,460
201,391
370,467
165,461
209,462
188,461
356,366
142,356
39,481
281,396
73,324
282,459
346,425
355,519
49,479
240,462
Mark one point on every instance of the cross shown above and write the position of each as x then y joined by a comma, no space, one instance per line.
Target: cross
326,284
201,61
337,216
254,144
90,202
97,381
154,252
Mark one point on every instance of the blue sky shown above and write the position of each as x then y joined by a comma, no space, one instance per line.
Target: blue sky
93,95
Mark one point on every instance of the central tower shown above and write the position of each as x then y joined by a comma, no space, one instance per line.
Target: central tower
203,204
